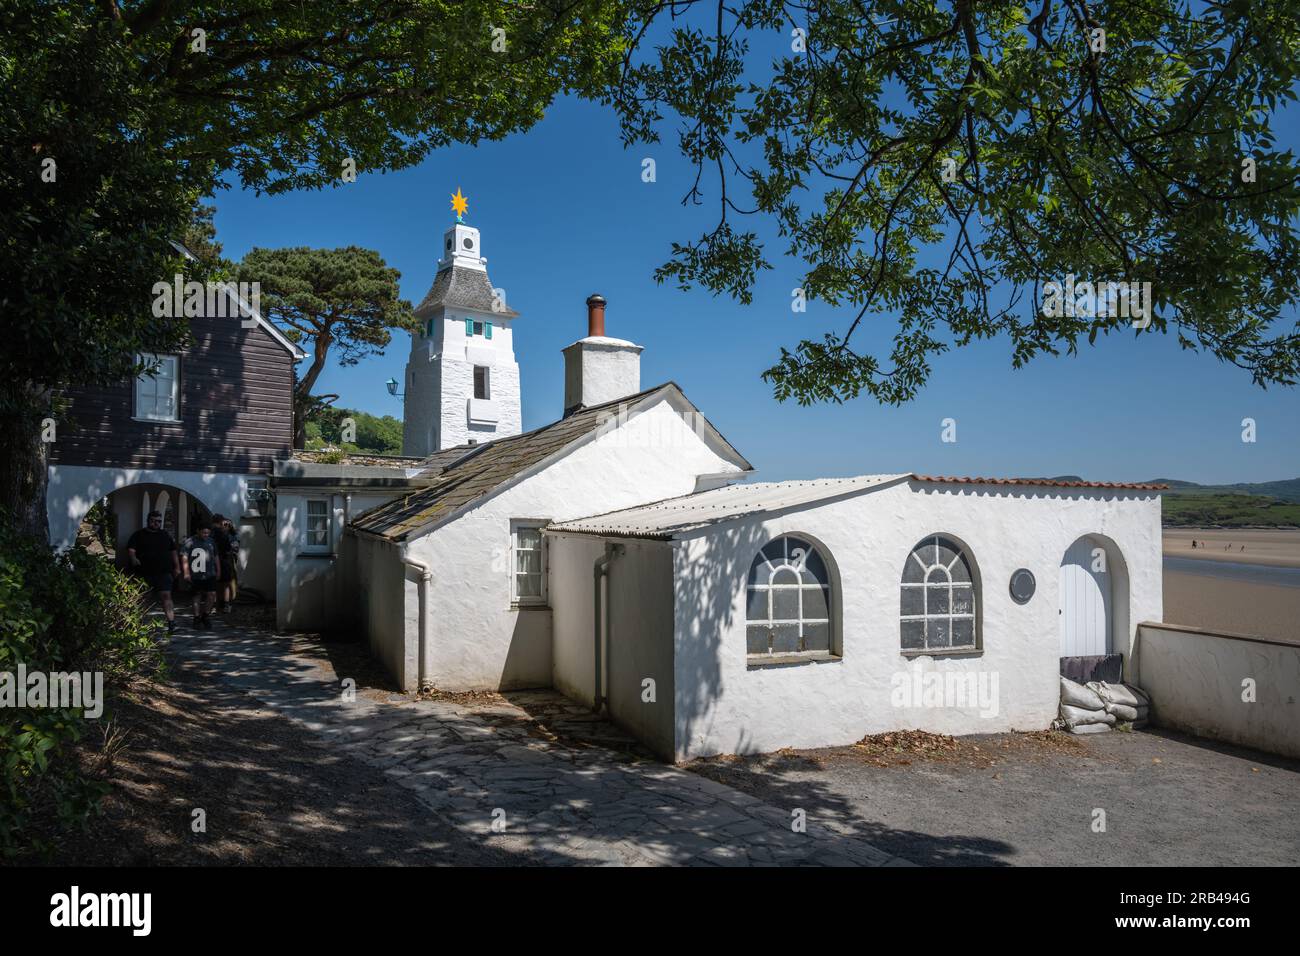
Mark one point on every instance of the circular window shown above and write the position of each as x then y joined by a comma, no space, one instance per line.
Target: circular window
1022,586
468,242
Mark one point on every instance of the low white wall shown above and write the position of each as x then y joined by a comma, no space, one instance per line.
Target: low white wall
1202,682
725,706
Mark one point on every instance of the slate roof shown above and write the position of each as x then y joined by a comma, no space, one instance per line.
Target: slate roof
457,287
441,460
481,469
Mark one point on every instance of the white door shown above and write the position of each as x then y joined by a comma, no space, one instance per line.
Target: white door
1085,600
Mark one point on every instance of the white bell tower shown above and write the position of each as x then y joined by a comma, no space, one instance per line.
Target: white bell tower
462,380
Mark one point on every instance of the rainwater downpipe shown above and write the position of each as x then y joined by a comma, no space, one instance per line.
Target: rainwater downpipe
426,575
600,571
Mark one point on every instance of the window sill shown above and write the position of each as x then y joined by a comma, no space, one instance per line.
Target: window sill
963,652
762,661
315,554
529,606
155,421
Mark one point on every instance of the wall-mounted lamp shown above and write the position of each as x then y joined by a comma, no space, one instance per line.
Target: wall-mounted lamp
263,502
392,388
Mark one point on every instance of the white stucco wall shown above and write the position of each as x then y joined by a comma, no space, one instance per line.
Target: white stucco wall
722,706
439,383
1198,684
317,590
385,588
572,559
478,640
639,644
73,489
599,369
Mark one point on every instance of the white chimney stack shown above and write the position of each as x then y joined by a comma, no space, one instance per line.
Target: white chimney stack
599,369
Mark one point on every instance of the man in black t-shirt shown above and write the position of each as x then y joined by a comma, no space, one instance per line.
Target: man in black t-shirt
152,554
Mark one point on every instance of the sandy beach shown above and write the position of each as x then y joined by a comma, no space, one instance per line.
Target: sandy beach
1238,607
1213,590
1281,549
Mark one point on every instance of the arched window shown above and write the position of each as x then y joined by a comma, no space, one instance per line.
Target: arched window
938,598
788,600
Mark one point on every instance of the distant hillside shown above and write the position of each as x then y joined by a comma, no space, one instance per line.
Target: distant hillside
1234,510
1285,490
1258,504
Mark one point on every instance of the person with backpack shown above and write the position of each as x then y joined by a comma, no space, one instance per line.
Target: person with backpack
202,570
227,539
151,552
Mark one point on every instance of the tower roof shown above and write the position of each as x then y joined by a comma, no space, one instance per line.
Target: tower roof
458,287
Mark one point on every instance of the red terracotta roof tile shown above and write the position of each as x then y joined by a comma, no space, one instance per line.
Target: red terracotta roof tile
1048,482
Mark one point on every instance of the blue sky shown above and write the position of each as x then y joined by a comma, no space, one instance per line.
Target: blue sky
563,213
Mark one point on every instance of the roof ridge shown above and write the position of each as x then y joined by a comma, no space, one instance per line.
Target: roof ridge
1042,482
490,467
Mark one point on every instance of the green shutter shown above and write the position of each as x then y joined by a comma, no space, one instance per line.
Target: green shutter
487,329
469,327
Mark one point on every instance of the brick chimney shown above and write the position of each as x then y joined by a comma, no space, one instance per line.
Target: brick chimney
599,369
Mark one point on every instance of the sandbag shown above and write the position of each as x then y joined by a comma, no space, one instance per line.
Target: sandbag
1089,728
1076,716
1125,694
1125,712
1076,695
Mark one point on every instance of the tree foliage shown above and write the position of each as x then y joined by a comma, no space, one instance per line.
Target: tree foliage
342,300
941,162
374,434
146,106
69,612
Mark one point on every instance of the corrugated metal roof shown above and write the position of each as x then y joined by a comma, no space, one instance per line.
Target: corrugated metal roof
1046,482
665,519
484,468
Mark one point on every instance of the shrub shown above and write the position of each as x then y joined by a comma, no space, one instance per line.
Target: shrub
69,611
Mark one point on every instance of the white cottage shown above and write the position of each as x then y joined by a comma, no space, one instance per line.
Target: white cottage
703,614
454,579
810,613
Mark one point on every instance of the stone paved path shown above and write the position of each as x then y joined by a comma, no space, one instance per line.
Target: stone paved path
550,803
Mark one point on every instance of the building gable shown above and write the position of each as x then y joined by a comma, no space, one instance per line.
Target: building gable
491,468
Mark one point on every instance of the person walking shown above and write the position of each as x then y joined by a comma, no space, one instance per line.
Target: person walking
202,570
227,541
151,552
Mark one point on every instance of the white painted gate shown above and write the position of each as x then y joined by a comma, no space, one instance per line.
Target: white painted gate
1085,600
